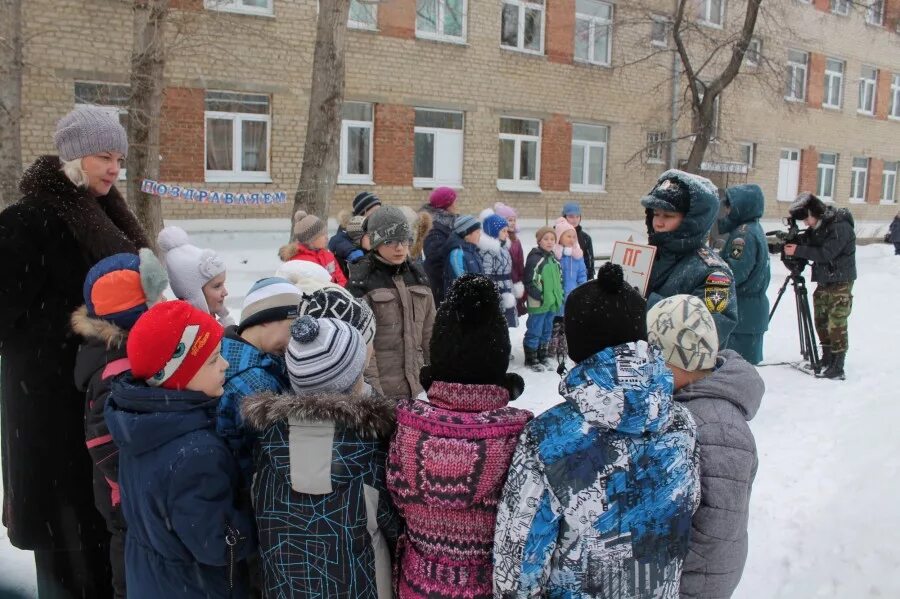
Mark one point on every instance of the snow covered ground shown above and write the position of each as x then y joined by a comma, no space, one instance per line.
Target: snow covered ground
824,517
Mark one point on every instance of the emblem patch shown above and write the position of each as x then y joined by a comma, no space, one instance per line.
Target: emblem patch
716,292
737,248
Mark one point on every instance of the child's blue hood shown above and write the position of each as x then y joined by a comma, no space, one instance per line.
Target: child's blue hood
142,418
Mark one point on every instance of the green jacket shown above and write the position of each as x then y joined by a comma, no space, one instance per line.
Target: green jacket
543,282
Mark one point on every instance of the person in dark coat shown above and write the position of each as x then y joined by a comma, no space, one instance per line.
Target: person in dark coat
442,208
572,213
70,217
462,250
893,235
345,244
747,255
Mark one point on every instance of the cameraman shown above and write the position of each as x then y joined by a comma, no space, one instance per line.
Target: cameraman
830,244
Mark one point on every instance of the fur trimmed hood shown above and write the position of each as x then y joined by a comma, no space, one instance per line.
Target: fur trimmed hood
486,243
97,329
288,251
372,416
421,228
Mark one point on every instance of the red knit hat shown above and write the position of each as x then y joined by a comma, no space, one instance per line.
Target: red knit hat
170,342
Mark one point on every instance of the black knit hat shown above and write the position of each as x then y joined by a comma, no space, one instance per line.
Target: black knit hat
603,313
363,201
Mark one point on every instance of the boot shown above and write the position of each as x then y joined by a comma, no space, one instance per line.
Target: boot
543,357
835,370
825,362
531,360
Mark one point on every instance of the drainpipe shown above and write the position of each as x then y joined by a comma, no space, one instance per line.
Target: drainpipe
673,116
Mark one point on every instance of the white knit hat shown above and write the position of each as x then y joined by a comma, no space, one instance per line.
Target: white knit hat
324,355
189,267
684,330
307,276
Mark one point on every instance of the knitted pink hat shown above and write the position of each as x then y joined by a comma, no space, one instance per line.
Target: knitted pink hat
505,211
442,198
561,226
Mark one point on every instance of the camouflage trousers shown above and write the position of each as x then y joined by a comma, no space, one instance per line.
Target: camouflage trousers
832,305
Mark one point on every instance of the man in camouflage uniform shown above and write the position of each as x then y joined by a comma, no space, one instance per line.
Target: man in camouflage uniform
831,247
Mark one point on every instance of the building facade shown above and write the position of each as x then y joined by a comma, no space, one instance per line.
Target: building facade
529,102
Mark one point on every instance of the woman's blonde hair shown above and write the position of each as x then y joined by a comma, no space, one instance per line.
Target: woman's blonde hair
75,172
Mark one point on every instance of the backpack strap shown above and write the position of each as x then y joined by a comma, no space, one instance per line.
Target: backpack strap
115,367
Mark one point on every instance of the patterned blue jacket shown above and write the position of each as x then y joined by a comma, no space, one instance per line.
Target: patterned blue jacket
602,487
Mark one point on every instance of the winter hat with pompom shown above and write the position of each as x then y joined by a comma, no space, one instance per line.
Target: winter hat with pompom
442,198
337,302
682,327
494,224
307,276
121,287
603,313
307,227
324,355
189,267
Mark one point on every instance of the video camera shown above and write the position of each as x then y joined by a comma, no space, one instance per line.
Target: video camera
776,240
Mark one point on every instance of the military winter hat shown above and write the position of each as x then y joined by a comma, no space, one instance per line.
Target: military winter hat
465,224
89,130
308,227
669,195
337,302
684,330
324,355
603,313
269,300
388,223
805,204
363,201
170,343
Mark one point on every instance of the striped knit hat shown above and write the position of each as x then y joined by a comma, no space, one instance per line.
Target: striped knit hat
465,224
308,227
324,355
269,300
363,201
337,302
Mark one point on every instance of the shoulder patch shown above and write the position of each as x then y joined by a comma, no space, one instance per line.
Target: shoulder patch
709,257
716,292
742,228
737,248
718,279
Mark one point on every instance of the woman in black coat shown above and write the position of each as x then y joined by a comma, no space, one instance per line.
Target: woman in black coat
70,217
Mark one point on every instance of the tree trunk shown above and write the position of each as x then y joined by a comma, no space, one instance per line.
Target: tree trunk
11,65
702,134
148,61
319,171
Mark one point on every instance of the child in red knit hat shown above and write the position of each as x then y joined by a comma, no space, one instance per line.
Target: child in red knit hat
177,478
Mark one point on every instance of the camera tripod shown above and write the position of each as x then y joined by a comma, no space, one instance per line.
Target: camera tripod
805,325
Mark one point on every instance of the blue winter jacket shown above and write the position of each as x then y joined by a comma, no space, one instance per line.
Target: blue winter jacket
602,487
344,250
574,273
462,258
178,482
684,263
249,371
747,255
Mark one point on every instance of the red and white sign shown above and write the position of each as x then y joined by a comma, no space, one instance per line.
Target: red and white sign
636,261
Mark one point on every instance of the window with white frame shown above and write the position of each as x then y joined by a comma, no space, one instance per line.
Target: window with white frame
859,175
795,83
588,171
655,147
593,31
753,56
825,176
659,31
520,154
875,12
522,25
834,83
895,97
712,12
748,153
112,97
237,136
840,7
356,143
441,20
889,182
867,81
438,155
363,14
249,7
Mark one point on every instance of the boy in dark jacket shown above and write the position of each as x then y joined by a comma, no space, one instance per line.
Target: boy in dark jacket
179,482
345,244
462,250
723,393
442,208
544,293
117,290
572,213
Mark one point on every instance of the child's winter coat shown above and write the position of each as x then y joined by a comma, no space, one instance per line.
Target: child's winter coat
434,244
298,251
571,262
462,258
496,264
446,469
518,269
543,282
178,480
326,524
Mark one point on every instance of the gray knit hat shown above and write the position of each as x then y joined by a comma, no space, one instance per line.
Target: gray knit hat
388,223
682,327
307,227
89,130
324,355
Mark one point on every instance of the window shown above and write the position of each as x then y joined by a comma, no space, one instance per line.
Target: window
522,26
748,153
788,175
840,7
834,83
439,148
237,137
867,78
659,31
859,175
250,7
356,143
753,56
110,96
520,155
588,158
875,12
655,147
363,14
593,31
895,97
712,12
441,20
795,85
889,182
825,176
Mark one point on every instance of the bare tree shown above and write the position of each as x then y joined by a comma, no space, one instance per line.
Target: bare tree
10,100
319,170
148,59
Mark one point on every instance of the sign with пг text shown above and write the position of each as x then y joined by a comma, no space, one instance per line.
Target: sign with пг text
636,261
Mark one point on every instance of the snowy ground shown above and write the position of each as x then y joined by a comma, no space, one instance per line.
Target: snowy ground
824,516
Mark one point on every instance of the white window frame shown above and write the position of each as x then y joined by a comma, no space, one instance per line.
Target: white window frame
439,35
595,23
353,24
754,41
793,161
871,14
345,178
666,25
889,175
586,146
432,182
894,112
840,7
112,109
830,77
655,140
706,14
791,69
823,170
748,148
859,176
867,90
516,183
236,175
237,6
522,5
